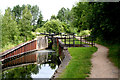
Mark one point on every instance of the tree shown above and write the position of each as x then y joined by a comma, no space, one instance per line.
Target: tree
25,26
40,21
101,18
33,9
105,21
61,14
64,15
81,13
53,26
66,27
35,12
0,30
53,17
17,10
9,28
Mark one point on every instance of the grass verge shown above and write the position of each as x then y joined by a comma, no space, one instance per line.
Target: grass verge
80,64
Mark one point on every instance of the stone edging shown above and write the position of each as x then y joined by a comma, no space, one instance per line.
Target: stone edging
63,64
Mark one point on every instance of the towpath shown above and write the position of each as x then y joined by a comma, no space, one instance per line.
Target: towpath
101,65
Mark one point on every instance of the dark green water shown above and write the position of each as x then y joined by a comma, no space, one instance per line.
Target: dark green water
40,64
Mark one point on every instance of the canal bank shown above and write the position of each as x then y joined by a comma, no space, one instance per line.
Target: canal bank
63,64
76,62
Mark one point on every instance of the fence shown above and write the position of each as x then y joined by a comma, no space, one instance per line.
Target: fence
71,40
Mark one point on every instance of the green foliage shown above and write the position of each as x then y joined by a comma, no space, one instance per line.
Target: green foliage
25,26
66,27
35,12
9,28
40,21
80,64
101,17
53,17
73,30
84,32
21,72
7,46
33,9
40,30
17,10
106,21
0,30
53,26
61,14
64,15
114,54
17,25
80,16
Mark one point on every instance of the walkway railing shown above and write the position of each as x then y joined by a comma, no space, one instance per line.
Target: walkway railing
19,50
71,40
30,46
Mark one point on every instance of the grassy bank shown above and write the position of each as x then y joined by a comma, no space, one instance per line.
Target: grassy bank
6,47
9,46
80,64
114,52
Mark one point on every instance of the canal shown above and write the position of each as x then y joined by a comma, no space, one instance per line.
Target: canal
38,64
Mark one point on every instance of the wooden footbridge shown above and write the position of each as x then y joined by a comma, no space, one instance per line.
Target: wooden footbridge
41,42
27,47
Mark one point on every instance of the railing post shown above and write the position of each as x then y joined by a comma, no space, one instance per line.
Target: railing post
85,39
92,41
61,35
69,40
65,39
80,40
73,40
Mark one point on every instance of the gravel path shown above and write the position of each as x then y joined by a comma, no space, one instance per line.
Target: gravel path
101,66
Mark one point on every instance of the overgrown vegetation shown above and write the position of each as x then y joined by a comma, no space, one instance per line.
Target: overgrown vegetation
80,64
17,25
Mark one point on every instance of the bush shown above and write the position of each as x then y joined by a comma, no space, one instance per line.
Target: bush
53,26
40,30
85,32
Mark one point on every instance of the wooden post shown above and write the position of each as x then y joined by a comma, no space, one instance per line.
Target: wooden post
57,42
16,52
69,40
92,41
65,39
24,48
73,40
85,39
28,46
61,35
59,50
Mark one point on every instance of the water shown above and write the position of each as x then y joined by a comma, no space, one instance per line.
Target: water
39,64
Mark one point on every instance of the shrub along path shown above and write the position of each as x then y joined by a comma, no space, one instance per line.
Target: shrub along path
101,65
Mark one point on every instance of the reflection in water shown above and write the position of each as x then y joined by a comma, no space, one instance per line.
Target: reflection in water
45,71
26,67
